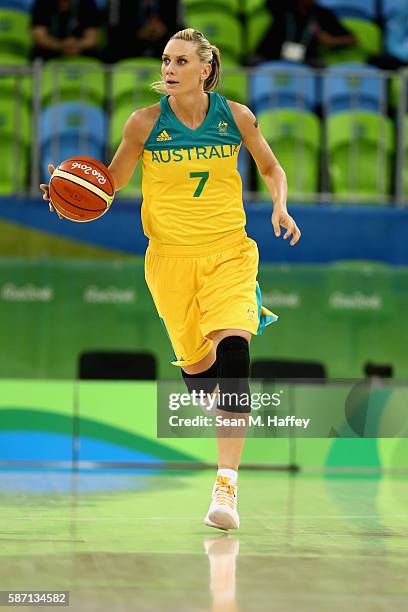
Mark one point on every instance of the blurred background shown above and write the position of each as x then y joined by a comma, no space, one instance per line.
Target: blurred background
329,85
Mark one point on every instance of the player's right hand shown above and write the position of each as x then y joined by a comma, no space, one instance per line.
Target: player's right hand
46,190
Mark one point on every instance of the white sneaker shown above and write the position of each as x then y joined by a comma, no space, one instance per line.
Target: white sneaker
222,513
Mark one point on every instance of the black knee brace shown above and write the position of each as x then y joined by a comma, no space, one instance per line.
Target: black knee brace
204,381
233,374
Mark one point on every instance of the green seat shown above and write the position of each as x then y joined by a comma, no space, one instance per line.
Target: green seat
294,137
233,83
9,59
258,24
80,79
118,119
222,29
250,6
228,6
132,79
12,85
119,116
15,138
369,42
15,36
359,147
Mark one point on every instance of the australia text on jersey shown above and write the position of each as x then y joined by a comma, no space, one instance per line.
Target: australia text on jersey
192,153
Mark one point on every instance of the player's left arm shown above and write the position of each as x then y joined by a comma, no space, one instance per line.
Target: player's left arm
270,169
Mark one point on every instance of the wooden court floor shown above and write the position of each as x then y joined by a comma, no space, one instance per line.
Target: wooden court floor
134,540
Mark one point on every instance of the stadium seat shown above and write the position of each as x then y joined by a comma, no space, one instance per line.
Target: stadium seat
369,42
233,83
362,9
81,80
14,85
258,23
295,139
222,29
69,129
15,35
390,7
248,7
132,79
15,138
117,120
24,6
228,6
353,86
360,146
283,84
9,59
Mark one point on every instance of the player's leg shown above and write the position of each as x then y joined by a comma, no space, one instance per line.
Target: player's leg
232,350
232,359
228,360
202,378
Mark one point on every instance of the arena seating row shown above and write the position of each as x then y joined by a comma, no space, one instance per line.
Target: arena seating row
224,25
366,9
360,136
270,85
359,146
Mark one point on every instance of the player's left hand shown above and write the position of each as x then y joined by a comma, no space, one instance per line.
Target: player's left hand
281,217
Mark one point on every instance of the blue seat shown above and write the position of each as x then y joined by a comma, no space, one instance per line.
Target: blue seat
353,86
71,129
390,7
17,5
362,9
283,85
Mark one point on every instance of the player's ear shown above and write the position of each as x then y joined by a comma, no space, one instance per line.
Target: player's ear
206,71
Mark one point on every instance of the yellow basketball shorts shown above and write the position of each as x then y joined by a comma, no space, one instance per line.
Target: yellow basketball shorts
201,289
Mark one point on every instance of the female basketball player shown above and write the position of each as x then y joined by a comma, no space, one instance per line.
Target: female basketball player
201,267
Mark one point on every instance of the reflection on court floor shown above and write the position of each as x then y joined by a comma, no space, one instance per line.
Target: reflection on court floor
135,540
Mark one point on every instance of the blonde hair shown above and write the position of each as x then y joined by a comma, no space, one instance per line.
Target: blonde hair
208,54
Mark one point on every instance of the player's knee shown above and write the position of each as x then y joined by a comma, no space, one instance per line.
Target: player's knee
204,381
233,374
233,357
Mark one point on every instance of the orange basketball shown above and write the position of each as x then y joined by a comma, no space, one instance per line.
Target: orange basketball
81,189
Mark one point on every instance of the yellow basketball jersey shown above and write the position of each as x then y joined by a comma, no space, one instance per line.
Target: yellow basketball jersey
192,190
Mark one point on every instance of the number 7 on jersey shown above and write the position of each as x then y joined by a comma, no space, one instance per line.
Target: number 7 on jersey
203,176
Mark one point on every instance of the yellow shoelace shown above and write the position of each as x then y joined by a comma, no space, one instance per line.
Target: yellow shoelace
224,491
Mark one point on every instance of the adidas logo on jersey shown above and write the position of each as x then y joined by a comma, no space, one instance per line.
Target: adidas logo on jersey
163,136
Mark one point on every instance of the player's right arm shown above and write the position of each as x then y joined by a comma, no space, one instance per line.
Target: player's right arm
135,133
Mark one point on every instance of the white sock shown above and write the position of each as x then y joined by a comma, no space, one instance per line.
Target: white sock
232,474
